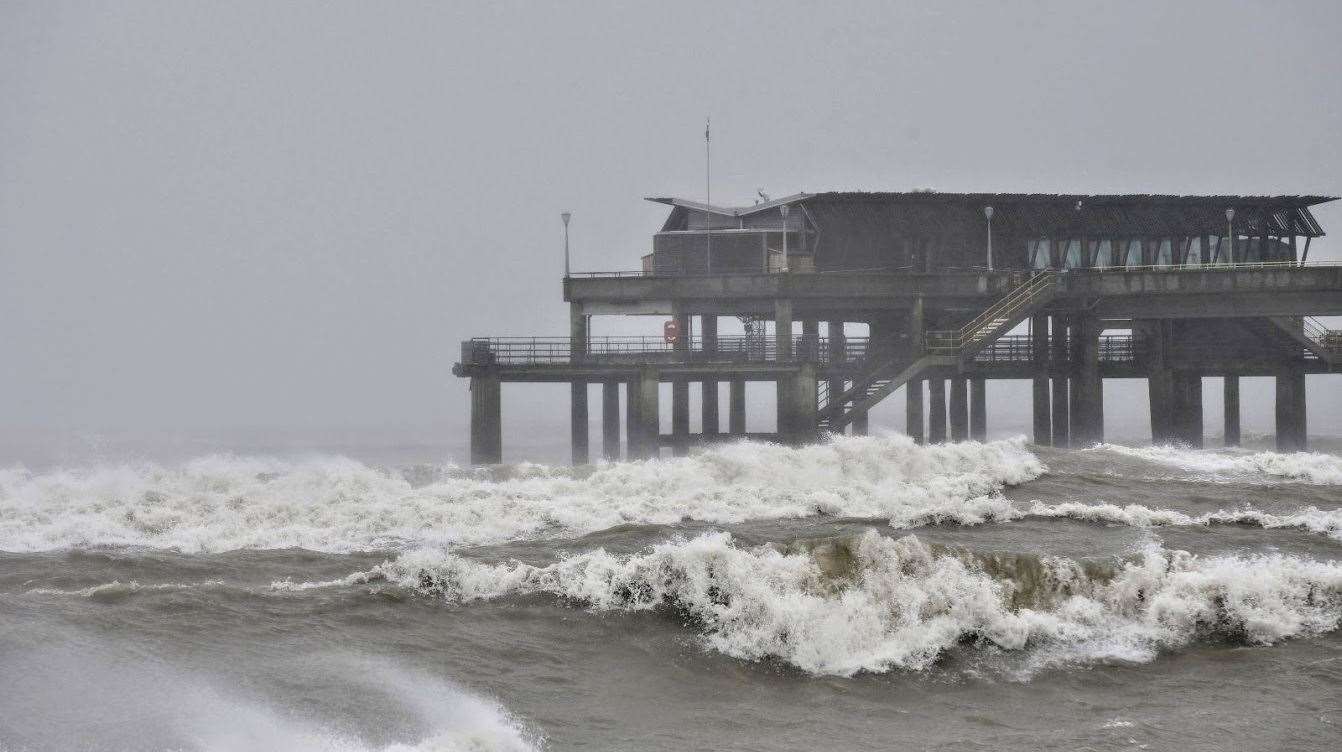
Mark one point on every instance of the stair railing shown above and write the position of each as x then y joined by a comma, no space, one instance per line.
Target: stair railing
950,342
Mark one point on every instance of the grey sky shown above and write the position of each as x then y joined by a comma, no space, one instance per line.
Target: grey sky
241,214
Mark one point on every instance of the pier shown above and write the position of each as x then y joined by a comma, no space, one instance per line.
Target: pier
1064,291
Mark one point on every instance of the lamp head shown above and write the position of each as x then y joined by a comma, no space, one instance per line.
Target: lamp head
1230,215
566,216
988,213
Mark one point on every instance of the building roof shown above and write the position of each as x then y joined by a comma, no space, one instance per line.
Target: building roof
1155,213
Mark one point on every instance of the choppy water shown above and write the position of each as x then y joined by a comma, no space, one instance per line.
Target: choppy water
864,594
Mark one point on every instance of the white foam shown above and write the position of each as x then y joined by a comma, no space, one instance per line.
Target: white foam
1325,522
1238,464
337,504
881,604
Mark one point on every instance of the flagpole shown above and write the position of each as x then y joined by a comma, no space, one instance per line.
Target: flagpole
708,190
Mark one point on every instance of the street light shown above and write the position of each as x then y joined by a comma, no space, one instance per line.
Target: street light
784,210
566,216
1230,234
988,212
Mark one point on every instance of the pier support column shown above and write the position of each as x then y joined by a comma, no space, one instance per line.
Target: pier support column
1043,415
1291,426
1230,396
1088,386
959,409
810,339
486,421
936,411
578,422
680,392
978,409
796,406
708,397
913,410
1059,365
860,424
783,329
633,437
838,353
610,420
644,420
736,407
1186,407
1160,380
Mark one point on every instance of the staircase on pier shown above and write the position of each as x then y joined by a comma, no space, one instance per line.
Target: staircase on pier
941,349
1310,333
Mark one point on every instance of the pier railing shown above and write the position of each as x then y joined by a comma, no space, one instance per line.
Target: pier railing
1194,266
531,351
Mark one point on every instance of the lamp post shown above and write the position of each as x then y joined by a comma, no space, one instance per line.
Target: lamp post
988,212
566,216
1230,235
784,210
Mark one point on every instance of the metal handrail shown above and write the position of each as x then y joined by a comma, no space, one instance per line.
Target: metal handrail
942,341
561,350
1104,269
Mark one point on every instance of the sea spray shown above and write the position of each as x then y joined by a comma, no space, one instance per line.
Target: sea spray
336,504
1236,464
886,603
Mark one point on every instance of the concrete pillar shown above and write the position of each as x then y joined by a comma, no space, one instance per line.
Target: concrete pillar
486,421
1088,386
578,422
736,407
1230,395
913,410
648,418
633,426
1160,380
708,398
796,406
838,349
783,328
1291,425
1186,407
917,327
680,392
959,409
978,409
610,420
1059,366
1043,415
936,411
860,424
810,333
577,332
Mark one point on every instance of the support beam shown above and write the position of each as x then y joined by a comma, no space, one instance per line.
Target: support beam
913,410
860,424
649,425
978,409
633,426
838,353
1230,395
680,392
610,420
1059,366
1088,386
736,407
486,421
1043,415
577,332
1186,408
1291,425
796,406
936,411
959,409
578,422
1160,380
783,328
708,398
810,339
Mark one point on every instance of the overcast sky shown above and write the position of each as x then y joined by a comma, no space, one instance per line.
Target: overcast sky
264,214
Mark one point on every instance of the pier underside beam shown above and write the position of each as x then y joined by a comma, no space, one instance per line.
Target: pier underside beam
486,421
1291,427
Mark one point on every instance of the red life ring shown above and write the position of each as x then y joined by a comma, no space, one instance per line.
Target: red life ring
671,332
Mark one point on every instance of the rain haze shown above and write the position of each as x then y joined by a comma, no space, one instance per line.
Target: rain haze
285,217
1081,489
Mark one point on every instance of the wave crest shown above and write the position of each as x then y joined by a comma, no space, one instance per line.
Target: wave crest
875,603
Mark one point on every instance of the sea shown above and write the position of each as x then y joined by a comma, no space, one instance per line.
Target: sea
866,593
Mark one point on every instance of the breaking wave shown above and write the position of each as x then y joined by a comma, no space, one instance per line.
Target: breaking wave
335,504
1236,464
874,604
